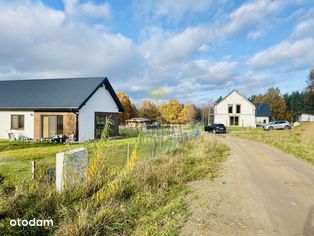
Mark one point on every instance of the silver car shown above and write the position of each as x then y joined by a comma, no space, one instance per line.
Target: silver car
277,124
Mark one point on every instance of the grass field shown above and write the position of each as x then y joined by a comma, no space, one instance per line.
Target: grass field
298,141
144,197
16,157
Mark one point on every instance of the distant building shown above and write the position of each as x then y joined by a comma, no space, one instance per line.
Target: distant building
236,110
263,114
139,122
306,118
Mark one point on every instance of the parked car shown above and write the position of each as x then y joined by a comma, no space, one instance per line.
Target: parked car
154,125
216,128
277,124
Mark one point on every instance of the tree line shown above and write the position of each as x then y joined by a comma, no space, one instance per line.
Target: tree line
172,111
287,106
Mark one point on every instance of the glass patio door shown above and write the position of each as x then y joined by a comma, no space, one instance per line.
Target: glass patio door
52,125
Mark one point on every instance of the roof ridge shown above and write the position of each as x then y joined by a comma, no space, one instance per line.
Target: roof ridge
59,78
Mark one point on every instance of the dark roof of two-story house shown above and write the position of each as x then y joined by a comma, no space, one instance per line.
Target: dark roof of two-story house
262,110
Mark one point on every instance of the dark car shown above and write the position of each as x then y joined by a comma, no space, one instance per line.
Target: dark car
216,128
154,125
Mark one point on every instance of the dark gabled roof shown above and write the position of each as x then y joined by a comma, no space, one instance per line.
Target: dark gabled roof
262,109
52,94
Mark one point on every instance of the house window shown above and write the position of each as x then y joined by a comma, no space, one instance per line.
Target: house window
238,109
17,121
230,108
234,120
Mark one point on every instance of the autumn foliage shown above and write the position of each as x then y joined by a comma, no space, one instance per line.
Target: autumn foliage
149,110
129,108
277,103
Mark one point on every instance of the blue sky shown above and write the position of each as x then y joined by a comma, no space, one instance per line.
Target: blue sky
194,50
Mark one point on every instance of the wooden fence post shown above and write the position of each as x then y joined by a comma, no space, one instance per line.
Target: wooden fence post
33,169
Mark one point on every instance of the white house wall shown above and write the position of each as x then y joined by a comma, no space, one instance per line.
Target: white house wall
101,101
246,116
260,119
5,124
306,118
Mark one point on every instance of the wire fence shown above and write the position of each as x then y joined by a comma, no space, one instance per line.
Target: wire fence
152,143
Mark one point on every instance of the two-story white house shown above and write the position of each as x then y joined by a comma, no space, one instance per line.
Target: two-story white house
235,110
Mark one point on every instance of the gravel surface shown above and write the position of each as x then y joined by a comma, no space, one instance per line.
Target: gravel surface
261,191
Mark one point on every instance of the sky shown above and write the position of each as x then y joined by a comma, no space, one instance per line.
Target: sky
193,50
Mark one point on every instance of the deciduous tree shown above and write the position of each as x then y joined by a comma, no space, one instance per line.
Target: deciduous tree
276,101
188,114
149,110
129,108
170,111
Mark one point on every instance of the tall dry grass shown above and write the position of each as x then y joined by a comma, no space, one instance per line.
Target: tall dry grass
145,197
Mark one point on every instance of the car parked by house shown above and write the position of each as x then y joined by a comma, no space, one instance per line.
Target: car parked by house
277,124
154,125
216,128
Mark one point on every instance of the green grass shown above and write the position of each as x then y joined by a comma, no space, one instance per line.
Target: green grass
15,157
291,141
148,198
237,128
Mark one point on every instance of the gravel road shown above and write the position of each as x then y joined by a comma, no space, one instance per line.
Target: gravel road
262,191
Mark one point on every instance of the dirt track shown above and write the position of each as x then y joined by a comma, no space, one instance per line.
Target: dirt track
262,191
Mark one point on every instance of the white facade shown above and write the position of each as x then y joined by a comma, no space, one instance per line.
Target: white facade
306,118
5,124
101,101
262,120
235,110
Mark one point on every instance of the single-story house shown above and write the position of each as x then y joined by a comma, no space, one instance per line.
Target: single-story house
236,110
39,109
138,122
306,118
263,115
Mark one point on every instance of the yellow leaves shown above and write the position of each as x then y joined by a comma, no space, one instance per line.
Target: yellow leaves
170,111
129,108
149,110
115,184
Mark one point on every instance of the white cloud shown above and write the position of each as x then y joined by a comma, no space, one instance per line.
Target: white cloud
164,47
299,54
306,26
295,52
180,7
252,13
37,41
210,72
250,82
173,10
74,10
253,35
